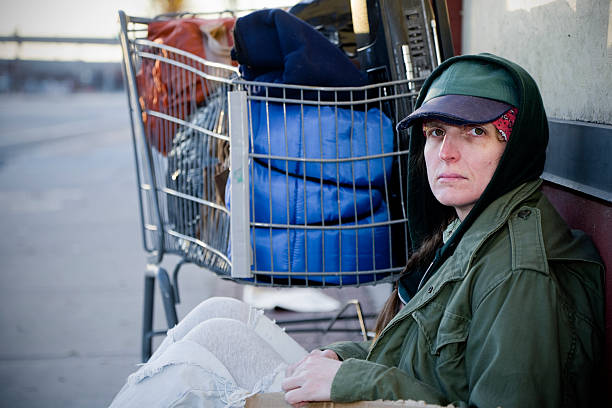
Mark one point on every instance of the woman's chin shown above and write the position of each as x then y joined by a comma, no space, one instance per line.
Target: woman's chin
455,199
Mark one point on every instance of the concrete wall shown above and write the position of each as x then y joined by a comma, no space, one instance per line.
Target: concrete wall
566,45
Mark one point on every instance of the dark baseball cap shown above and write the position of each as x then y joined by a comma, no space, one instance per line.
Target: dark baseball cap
467,91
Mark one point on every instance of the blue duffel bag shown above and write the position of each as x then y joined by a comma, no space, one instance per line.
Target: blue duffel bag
311,248
305,201
325,132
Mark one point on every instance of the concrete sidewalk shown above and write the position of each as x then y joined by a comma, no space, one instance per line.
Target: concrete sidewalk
71,257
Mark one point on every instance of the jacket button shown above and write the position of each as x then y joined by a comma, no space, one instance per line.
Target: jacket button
524,214
430,289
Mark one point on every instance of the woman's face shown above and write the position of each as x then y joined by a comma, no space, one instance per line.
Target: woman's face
460,162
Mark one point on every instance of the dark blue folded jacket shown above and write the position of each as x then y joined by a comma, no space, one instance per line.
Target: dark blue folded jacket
275,46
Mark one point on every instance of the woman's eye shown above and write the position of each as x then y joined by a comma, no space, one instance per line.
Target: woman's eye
435,132
477,131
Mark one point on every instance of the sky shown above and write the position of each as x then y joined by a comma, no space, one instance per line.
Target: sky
87,18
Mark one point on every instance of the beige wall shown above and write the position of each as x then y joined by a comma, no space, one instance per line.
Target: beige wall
566,45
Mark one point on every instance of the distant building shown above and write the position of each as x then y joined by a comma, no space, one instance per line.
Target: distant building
59,76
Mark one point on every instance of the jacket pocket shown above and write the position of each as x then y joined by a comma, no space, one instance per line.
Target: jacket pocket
445,332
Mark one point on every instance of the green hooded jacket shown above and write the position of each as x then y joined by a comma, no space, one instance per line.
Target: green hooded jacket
513,313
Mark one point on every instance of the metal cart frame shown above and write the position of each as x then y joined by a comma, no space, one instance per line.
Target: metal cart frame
206,243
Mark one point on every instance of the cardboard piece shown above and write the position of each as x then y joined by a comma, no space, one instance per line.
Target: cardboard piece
277,400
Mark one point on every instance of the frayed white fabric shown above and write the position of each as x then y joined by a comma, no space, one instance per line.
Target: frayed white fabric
217,362
246,356
210,308
184,371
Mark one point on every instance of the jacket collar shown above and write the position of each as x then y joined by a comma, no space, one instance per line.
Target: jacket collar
493,218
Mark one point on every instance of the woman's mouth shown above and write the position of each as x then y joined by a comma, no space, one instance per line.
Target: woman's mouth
450,177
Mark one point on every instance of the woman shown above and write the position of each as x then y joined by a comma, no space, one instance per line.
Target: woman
499,305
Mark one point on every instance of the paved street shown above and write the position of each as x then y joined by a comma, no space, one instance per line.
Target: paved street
71,258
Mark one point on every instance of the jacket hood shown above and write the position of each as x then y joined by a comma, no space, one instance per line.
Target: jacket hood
522,160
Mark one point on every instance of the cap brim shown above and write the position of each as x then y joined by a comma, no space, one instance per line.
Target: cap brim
457,109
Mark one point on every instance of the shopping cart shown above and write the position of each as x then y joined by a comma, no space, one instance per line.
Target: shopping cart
262,184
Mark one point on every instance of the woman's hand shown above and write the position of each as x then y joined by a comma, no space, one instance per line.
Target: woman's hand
311,379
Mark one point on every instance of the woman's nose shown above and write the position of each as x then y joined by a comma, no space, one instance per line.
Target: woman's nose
448,148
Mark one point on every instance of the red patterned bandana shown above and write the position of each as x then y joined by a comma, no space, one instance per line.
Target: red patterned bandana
504,123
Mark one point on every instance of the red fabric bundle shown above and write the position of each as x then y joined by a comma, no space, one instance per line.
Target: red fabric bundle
171,90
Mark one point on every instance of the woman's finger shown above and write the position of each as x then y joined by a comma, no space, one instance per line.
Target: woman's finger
291,383
296,397
313,381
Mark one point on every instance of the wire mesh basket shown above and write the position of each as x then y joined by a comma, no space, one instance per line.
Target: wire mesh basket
266,184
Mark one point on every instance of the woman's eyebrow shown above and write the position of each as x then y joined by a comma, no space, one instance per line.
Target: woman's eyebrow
431,123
